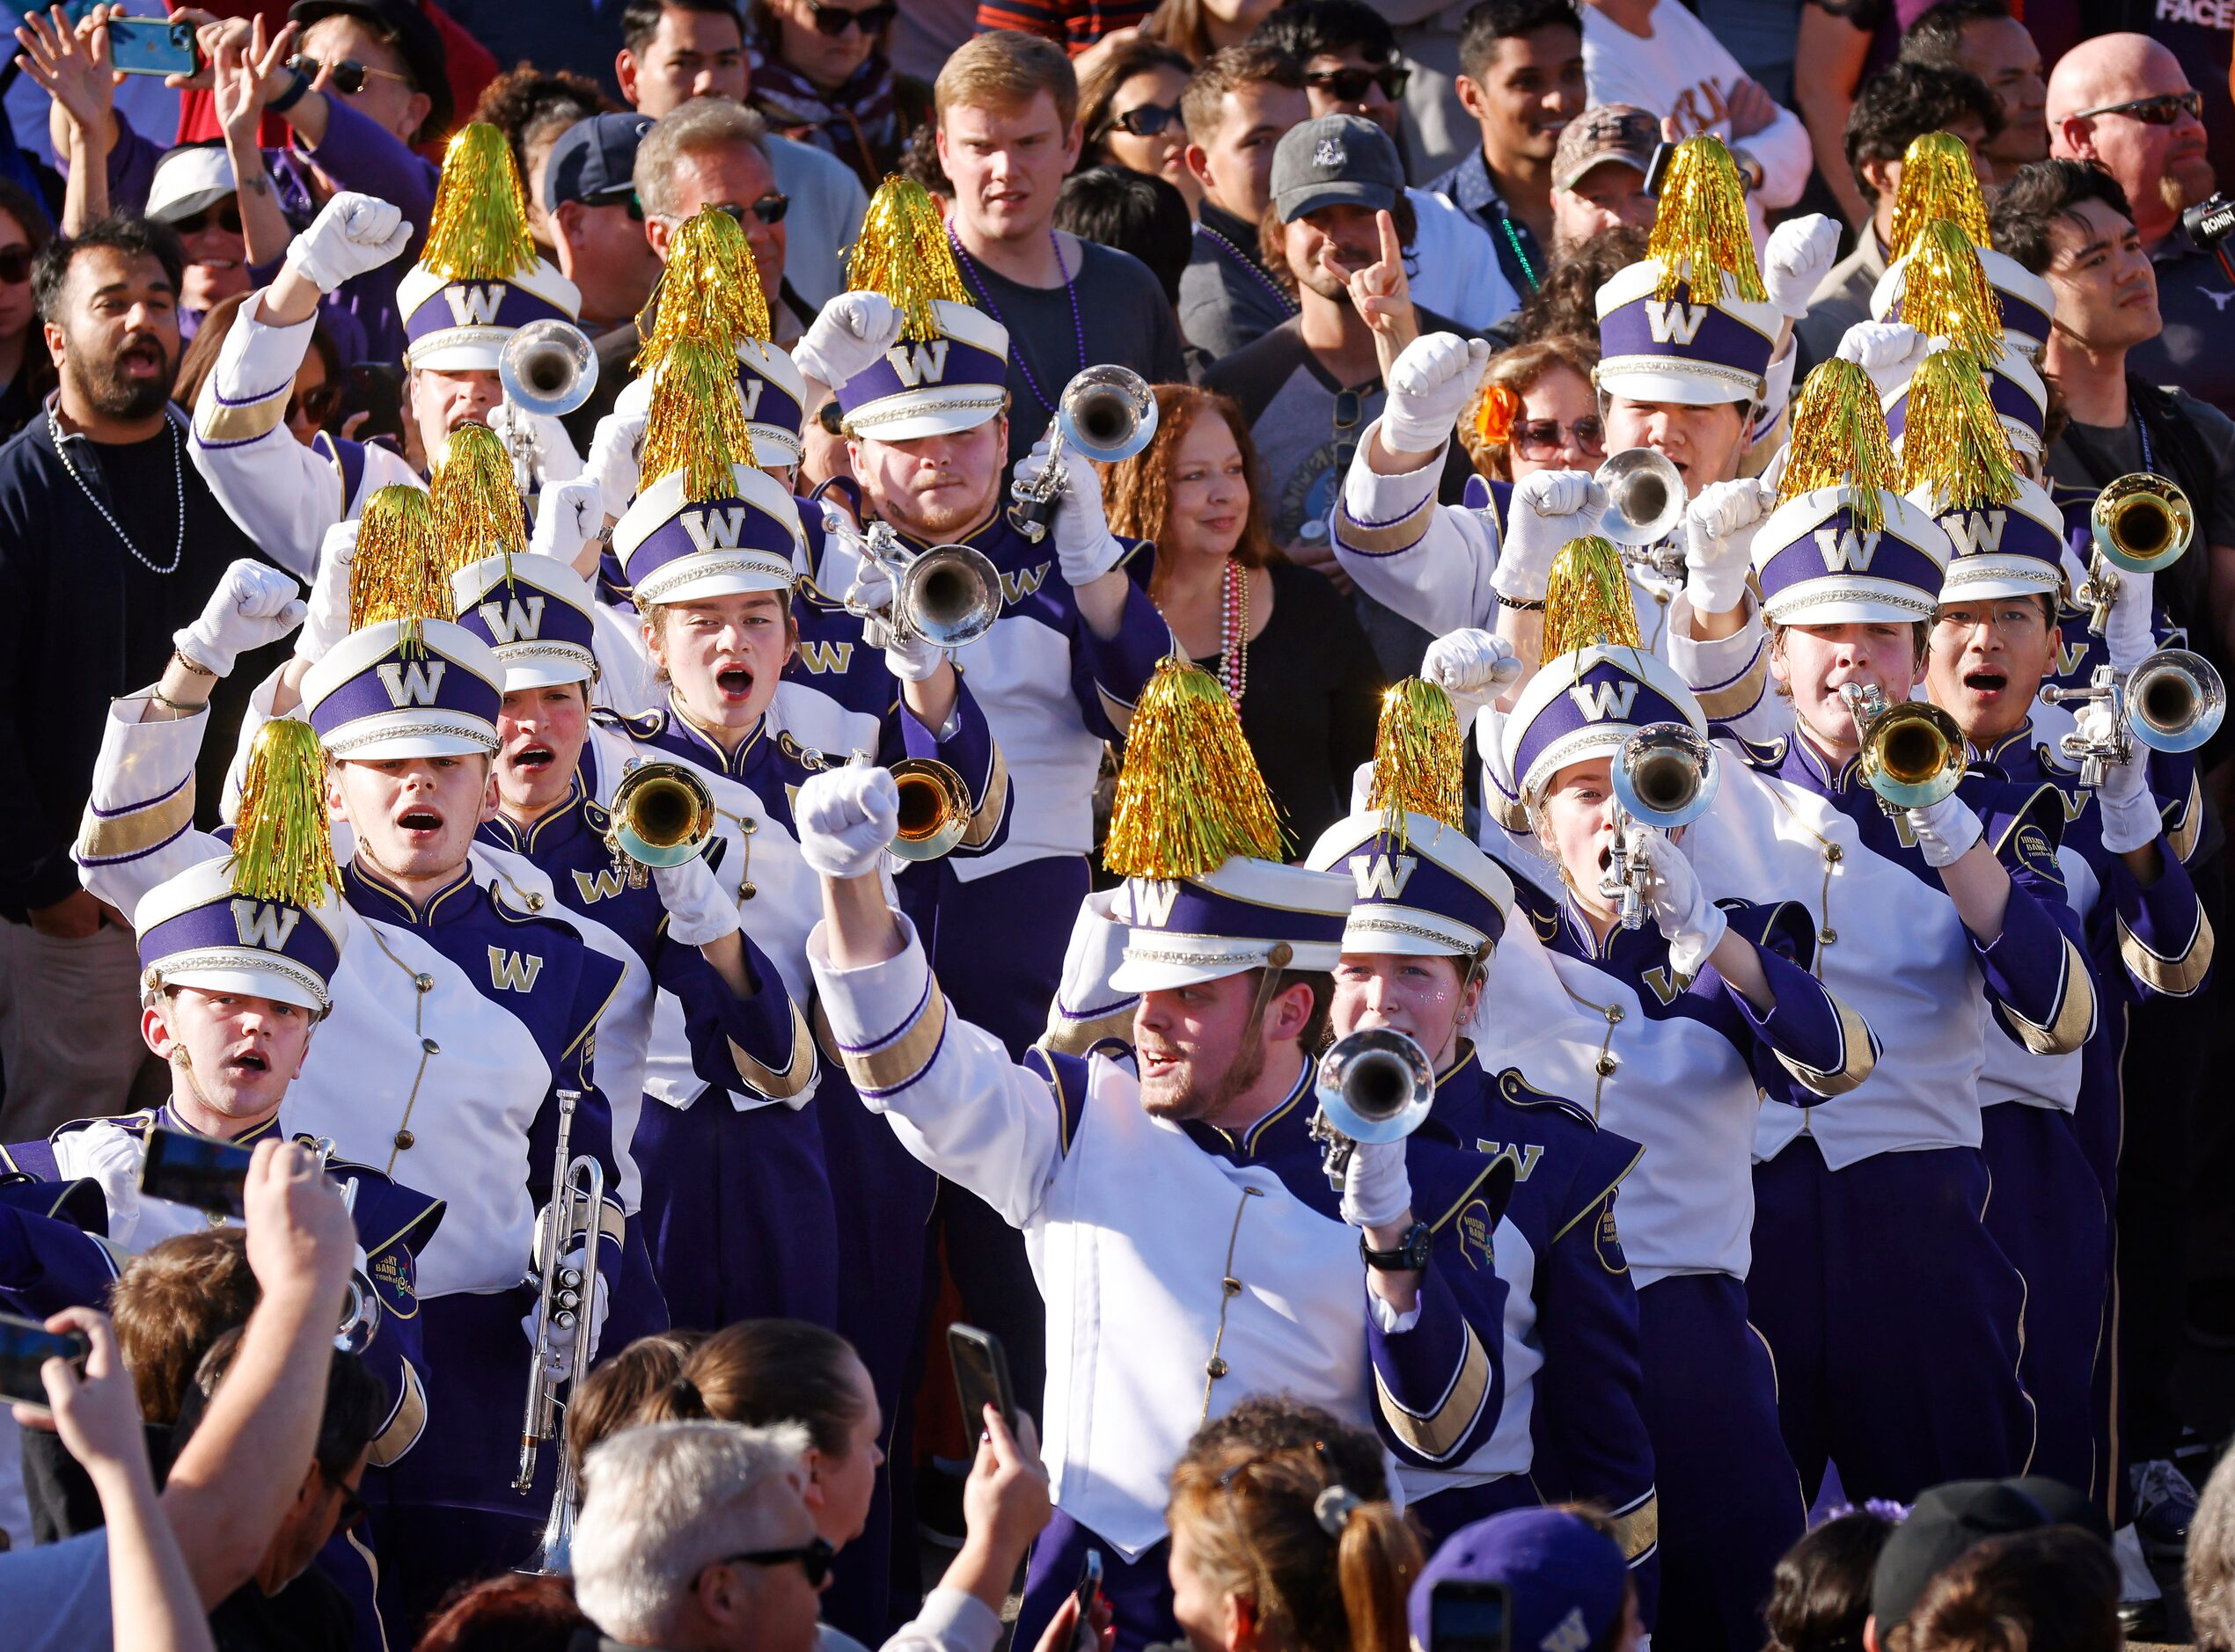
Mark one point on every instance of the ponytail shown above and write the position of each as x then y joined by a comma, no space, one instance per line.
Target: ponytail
1378,1557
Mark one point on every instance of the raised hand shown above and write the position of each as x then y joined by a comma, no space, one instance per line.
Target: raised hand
71,64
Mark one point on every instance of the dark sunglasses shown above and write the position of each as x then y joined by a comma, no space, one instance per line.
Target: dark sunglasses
349,74
813,1558
1349,84
833,21
1540,439
1349,413
353,1513
15,265
227,213
770,208
316,405
1145,119
2162,110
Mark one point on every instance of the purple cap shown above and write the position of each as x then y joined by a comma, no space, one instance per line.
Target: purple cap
1567,1579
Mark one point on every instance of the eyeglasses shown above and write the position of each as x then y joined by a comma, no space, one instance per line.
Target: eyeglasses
1349,84
832,21
812,1557
1145,119
2162,110
1542,439
349,75
315,404
15,265
227,214
353,1513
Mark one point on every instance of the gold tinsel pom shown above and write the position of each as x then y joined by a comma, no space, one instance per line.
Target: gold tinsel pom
1700,229
696,424
397,573
1952,441
1936,182
1945,293
1839,440
478,229
903,252
1189,795
477,501
1587,600
282,844
1420,757
710,290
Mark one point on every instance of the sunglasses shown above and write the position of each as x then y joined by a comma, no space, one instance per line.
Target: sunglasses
1349,413
1542,439
1349,84
812,1557
349,74
1145,119
2162,110
227,215
832,21
770,208
15,265
315,404
353,1513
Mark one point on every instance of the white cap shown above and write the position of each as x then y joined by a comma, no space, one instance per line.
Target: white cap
188,180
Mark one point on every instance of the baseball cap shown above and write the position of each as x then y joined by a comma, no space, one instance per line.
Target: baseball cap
1611,132
1568,1580
1946,1521
418,41
593,159
188,180
1339,159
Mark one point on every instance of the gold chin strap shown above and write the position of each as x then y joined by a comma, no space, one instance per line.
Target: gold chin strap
1276,963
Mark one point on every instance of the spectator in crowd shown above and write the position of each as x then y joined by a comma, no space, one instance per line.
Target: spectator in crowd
105,472
194,194
1535,410
1009,131
674,51
1348,52
1237,107
821,77
1076,25
1568,303
1520,77
517,1612
532,106
1946,1523
1819,1595
1288,649
619,1388
2123,103
1841,41
1197,28
596,223
2054,1590
23,229
2210,1571
1129,112
1133,212
1566,1581
1898,105
171,1302
1984,38
1599,177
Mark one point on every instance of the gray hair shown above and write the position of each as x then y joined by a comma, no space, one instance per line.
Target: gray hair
663,1502
2210,1573
698,126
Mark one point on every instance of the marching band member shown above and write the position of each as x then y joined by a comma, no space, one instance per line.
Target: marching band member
1228,950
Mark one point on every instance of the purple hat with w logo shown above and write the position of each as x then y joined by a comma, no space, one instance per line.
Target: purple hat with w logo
196,929
535,612
1584,705
932,387
1426,891
381,693
1693,348
675,549
2015,549
1820,565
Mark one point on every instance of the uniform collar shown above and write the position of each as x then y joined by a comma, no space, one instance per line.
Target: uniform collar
1473,190
165,1117
717,756
374,897
2018,742
1262,1139
549,829
981,531
1804,762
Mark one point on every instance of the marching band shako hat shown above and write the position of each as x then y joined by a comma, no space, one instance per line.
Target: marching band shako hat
1938,182
770,389
1195,836
479,276
535,612
381,693
1692,321
1584,705
1959,466
948,371
2012,549
2026,301
2015,391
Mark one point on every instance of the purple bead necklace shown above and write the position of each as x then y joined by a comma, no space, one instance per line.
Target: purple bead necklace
1016,345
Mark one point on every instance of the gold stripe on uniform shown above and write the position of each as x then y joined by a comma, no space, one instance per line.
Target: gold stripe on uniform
404,1426
2176,977
1435,1437
110,837
987,818
1401,534
214,422
1722,704
1638,1530
1069,1036
796,1074
894,1063
2075,1016
1861,1053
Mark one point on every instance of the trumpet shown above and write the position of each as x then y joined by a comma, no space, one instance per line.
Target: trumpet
1665,775
662,814
2173,701
948,595
934,808
1913,753
1373,1085
1645,502
2141,523
1107,413
567,1296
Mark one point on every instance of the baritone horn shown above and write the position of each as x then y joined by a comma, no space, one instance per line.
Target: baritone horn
547,366
1665,775
2173,701
1106,413
1645,502
567,1295
1913,752
2141,523
1373,1085
662,814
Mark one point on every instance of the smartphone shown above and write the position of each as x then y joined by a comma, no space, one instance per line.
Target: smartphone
378,392
24,1346
1466,1616
151,46
981,1378
1085,1639
192,1170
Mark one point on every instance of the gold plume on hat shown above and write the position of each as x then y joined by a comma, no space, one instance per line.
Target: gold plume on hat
1839,440
903,253
1952,441
397,572
1936,182
709,290
1587,600
1189,793
282,846
1945,293
1420,757
1700,230
696,424
476,500
478,229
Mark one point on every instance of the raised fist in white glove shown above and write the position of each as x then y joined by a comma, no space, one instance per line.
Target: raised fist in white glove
617,449
910,659
847,816
352,234
1376,1191
1795,259
329,618
1718,542
1429,384
1084,546
569,515
1889,351
559,1352
1550,508
1944,830
252,606
1688,920
2130,818
1473,667
851,332
698,908
2131,634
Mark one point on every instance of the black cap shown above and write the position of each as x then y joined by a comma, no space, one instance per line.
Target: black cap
1339,159
1946,1521
594,160
417,39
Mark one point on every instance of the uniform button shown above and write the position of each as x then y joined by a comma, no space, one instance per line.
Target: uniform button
748,827
1827,937
431,1046
423,982
535,901
1216,1369
1231,1285
1614,1014
404,1139
747,893
1606,1065
1833,854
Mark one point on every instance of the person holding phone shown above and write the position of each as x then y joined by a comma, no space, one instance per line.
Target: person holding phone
1527,1578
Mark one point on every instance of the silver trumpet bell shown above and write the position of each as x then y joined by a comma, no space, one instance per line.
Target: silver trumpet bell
662,814
2175,700
1107,413
1665,775
547,366
1373,1085
950,595
1644,497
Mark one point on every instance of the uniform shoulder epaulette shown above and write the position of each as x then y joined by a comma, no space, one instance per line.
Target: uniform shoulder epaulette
425,1212
1541,907
1067,1077
1519,1091
1766,756
80,1202
131,1123
2072,492
643,724
1784,927
2028,823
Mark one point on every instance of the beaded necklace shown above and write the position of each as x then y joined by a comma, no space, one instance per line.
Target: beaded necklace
1234,631
1248,264
1016,345
177,489
1513,239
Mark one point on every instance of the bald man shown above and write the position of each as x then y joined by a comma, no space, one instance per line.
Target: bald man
2123,103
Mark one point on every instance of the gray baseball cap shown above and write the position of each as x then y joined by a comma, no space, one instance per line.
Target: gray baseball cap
1611,132
1336,160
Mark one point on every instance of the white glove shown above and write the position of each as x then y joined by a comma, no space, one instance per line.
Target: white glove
1471,666
1692,925
910,658
845,817
1429,384
1718,542
1945,831
352,234
569,515
698,908
329,618
852,331
2130,819
1375,1188
614,451
1550,508
113,1159
252,606
1889,351
2128,633
1084,546
1795,259
559,1355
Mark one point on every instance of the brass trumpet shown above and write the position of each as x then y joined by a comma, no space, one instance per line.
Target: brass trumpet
2173,701
2141,523
1373,1085
662,814
1107,413
1665,775
948,595
1913,752
567,1296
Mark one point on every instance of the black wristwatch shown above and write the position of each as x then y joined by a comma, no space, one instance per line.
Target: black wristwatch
1410,1257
